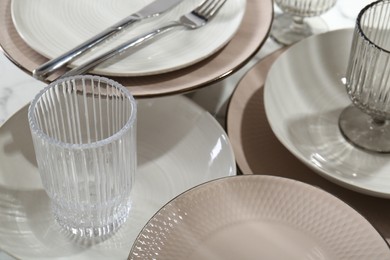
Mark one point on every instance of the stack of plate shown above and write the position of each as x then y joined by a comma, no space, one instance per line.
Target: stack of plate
180,61
283,120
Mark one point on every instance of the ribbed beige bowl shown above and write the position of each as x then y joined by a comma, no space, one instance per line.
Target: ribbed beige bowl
258,217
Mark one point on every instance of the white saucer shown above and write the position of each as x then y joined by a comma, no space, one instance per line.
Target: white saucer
304,97
258,217
52,27
179,146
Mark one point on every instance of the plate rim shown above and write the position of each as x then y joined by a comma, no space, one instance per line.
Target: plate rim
268,58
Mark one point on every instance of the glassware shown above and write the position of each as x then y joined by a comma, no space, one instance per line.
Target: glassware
84,134
291,26
365,123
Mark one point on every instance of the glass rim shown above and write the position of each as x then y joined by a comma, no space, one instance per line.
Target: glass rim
359,28
41,134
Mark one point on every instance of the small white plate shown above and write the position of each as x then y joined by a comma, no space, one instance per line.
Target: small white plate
258,217
52,27
304,96
180,145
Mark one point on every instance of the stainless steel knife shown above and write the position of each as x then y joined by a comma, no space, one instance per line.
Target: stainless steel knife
153,9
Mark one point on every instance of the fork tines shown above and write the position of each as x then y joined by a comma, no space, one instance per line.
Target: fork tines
209,7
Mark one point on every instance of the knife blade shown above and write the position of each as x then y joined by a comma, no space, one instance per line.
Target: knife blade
155,8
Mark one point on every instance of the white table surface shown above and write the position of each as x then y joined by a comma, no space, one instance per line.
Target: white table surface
17,88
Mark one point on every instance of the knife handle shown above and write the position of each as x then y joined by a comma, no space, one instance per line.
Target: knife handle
131,44
56,63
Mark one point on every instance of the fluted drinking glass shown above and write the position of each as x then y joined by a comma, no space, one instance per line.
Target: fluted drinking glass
292,26
366,122
84,135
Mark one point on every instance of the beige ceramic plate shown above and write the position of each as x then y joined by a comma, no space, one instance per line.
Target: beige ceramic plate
258,217
249,37
170,161
52,27
258,151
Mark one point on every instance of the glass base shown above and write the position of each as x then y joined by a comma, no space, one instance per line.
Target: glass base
285,32
361,130
91,225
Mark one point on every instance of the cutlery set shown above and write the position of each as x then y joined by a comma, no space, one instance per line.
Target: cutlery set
184,59
195,19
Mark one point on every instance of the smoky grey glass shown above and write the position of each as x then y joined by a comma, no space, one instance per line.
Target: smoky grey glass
366,122
84,135
292,26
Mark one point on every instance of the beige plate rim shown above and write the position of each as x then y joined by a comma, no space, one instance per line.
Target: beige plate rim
341,205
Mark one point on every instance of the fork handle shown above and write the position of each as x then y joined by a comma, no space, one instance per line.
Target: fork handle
56,63
130,45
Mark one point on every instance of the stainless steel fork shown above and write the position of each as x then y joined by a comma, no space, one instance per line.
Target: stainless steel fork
192,20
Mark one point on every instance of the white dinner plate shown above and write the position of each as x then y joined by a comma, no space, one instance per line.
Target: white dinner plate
180,145
304,96
258,217
52,27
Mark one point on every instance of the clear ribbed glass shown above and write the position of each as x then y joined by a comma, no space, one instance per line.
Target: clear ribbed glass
84,135
305,8
291,26
365,123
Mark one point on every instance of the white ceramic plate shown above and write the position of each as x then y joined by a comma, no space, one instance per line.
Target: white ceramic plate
258,217
179,146
304,97
51,27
